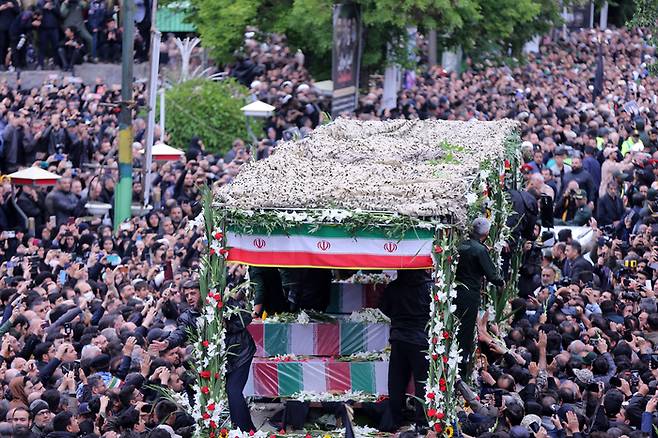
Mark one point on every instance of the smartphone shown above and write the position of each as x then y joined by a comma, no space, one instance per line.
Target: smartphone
10,234
169,271
52,221
615,382
593,387
114,259
125,226
498,399
62,276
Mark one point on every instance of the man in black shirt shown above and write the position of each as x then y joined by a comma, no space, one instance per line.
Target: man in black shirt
407,302
474,266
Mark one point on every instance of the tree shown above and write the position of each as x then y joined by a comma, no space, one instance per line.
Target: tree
207,109
474,24
646,16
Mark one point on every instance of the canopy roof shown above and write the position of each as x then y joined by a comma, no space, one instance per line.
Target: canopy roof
418,168
34,176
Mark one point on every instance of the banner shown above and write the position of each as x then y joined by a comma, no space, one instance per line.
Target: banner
346,58
331,247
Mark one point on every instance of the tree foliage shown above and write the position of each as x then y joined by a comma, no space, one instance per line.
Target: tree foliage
646,16
473,24
207,109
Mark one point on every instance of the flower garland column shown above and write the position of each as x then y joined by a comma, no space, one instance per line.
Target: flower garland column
209,355
444,355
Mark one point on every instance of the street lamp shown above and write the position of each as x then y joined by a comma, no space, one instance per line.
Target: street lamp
256,109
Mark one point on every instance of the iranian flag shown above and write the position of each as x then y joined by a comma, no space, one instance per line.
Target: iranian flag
283,379
331,247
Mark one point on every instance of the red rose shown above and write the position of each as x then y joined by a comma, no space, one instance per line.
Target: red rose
435,340
440,415
205,389
308,435
212,435
218,236
438,428
449,258
445,359
223,432
442,381
211,407
431,412
223,251
435,356
217,297
216,375
282,432
446,335
205,374
220,304
436,297
205,416
213,425
205,344
508,165
251,433
438,249
212,251
430,395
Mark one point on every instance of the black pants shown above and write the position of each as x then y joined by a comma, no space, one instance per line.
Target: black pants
468,306
235,382
5,44
48,43
69,57
406,360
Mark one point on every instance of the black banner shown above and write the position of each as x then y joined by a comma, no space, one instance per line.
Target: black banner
346,58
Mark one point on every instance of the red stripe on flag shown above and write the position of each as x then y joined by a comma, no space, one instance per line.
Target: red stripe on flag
266,378
256,331
307,259
327,339
338,376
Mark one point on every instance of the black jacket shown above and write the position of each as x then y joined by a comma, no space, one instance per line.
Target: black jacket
574,268
609,210
239,342
406,301
56,434
185,322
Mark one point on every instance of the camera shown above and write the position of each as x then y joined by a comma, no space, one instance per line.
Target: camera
633,296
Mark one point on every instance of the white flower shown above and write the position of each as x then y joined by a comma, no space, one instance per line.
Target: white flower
303,318
471,198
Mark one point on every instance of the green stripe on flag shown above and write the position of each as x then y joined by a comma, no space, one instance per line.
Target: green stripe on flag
352,337
337,231
334,299
291,378
363,377
276,338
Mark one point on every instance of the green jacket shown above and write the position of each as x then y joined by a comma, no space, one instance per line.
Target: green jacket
475,265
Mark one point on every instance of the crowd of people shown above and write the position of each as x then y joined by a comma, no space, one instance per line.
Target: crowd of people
47,33
88,313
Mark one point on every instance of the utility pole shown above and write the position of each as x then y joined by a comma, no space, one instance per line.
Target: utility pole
152,91
124,189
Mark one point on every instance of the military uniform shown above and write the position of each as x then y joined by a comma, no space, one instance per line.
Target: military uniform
474,265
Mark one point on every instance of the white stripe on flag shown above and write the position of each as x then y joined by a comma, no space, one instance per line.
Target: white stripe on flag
381,377
377,336
352,297
301,339
314,376
330,245
248,390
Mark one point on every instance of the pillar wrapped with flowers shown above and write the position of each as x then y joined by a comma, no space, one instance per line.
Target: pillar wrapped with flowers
351,196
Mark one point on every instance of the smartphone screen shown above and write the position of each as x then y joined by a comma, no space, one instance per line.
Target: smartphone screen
169,271
62,277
